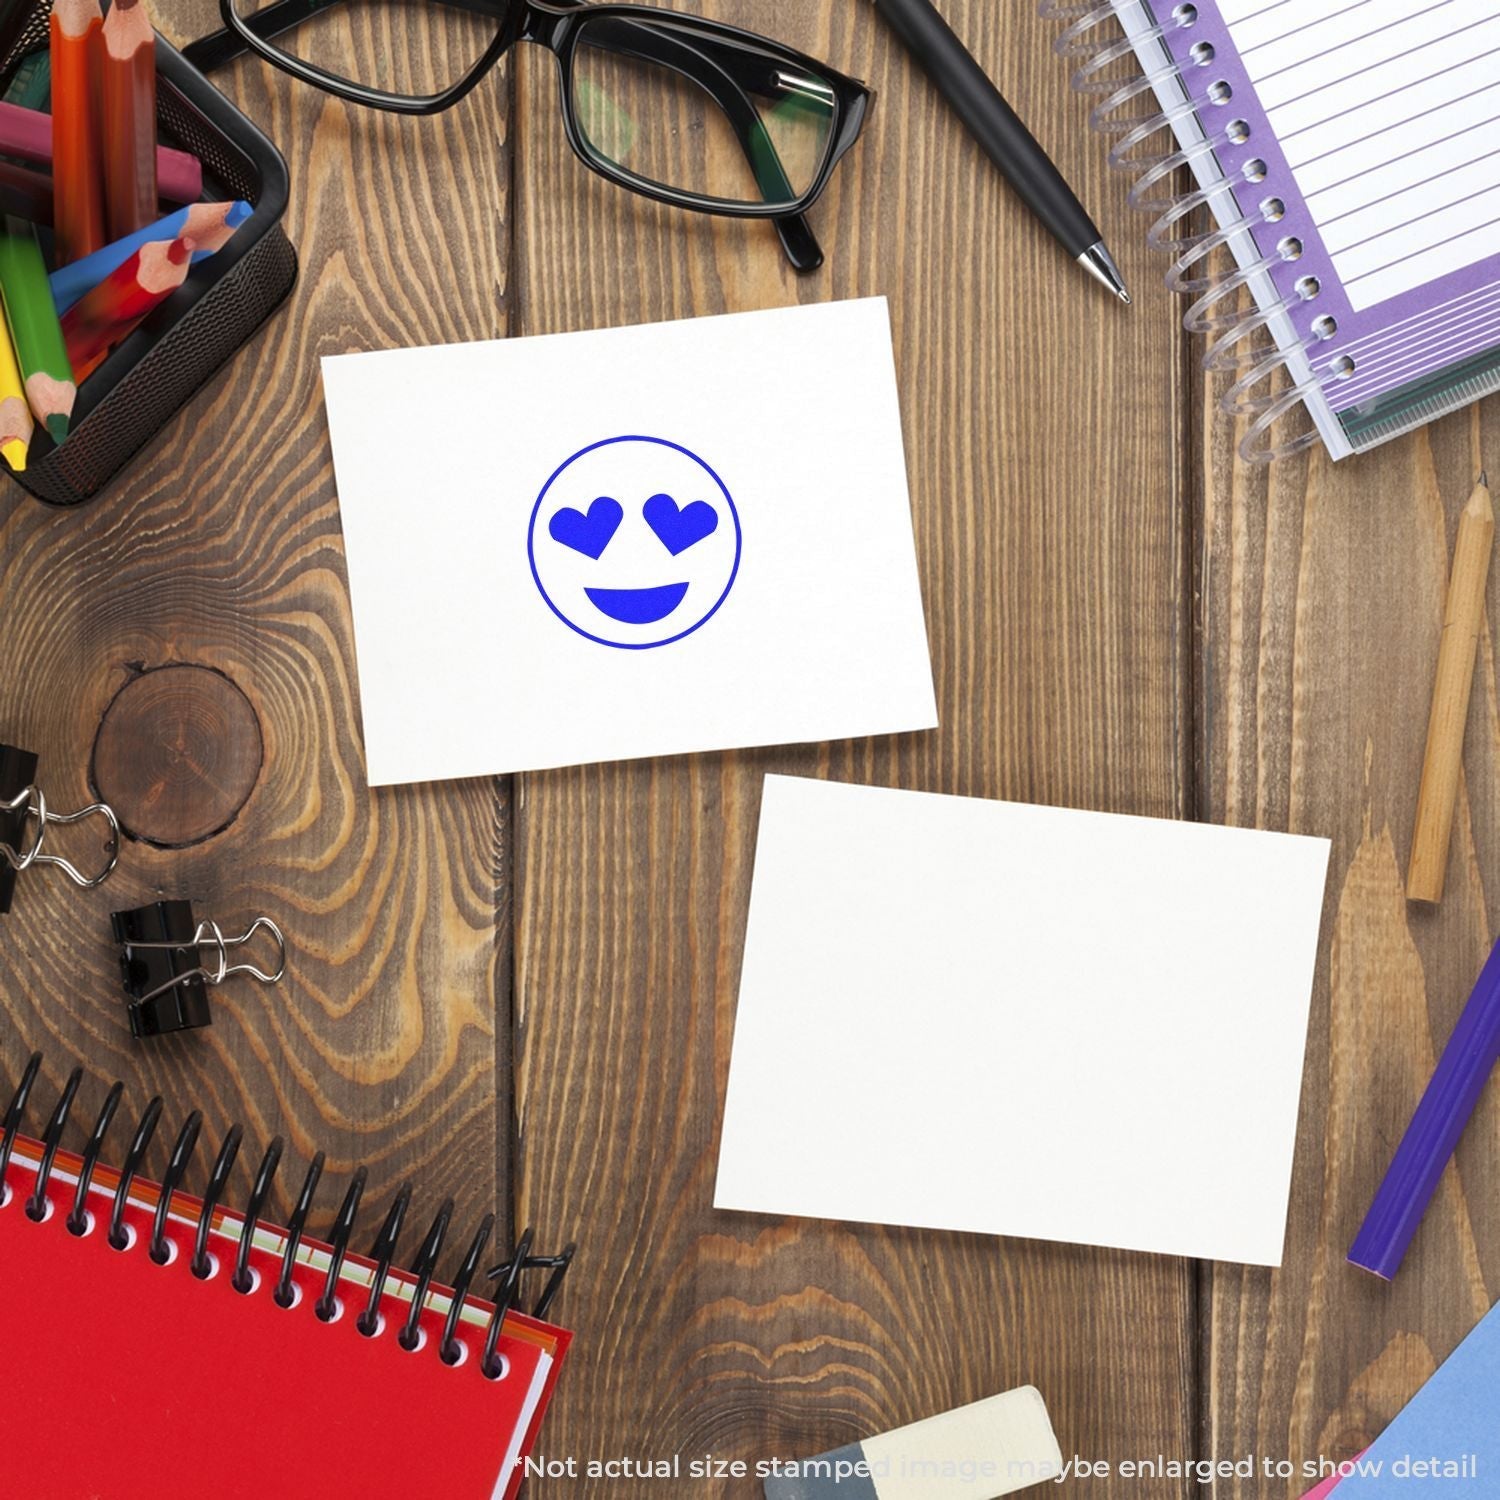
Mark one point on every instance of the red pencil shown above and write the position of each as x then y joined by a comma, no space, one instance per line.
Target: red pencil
128,119
98,321
77,174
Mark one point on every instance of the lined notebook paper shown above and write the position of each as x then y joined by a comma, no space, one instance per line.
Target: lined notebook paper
1388,114
1356,146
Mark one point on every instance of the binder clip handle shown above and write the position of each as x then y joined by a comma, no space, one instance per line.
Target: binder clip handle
223,969
220,969
167,974
30,805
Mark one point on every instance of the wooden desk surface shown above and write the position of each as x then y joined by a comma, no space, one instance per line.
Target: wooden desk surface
521,991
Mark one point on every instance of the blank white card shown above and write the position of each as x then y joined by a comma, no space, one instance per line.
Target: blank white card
1017,1020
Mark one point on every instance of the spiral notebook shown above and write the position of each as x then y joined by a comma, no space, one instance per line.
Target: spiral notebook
139,1380
1348,152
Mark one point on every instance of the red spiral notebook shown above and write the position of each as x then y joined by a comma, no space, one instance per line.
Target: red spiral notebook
130,1380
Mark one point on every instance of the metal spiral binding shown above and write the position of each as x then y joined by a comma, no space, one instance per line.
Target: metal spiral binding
370,1323
1119,114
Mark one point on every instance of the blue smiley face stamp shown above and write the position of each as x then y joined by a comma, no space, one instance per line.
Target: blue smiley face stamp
634,542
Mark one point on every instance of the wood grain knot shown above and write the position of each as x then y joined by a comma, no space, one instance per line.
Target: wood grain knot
178,753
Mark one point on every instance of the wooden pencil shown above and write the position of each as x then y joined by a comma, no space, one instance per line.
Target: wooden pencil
26,135
78,182
1463,619
128,119
99,320
16,425
208,225
28,194
34,328
25,193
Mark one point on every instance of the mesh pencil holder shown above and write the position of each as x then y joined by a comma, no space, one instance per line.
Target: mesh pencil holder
165,362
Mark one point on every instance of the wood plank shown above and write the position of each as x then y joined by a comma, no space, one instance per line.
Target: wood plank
222,550
1322,607
1044,449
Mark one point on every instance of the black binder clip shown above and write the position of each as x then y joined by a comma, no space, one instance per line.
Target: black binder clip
25,820
166,977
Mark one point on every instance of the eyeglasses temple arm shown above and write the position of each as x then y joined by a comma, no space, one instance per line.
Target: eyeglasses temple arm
798,241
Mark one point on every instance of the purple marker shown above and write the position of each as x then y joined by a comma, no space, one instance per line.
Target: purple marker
1433,1135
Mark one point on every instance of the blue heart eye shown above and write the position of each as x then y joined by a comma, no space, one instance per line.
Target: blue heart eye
678,528
589,534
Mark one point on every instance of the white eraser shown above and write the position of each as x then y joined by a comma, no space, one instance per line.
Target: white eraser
979,1452
1006,1439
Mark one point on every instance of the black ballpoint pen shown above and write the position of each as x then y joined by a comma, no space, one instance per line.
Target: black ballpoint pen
1006,141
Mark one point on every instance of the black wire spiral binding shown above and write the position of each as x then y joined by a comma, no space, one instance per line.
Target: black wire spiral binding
504,1300
338,1240
202,1265
425,1264
450,1351
383,1253
36,1208
118,1239
242,1281
13,1118
78,1217
558,1265
284,1294
182,1153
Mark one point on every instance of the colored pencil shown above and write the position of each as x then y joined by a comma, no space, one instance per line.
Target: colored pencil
34,328
1433,1135
77,173
208,225
25,193
16,425
128,119
26,134
1463,622
99,320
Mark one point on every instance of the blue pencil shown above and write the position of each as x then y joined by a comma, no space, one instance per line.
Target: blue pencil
209,224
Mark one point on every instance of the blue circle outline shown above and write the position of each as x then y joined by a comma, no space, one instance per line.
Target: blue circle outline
739,542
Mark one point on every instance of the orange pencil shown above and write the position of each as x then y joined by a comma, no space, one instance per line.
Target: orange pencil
128,119
99,320
78,184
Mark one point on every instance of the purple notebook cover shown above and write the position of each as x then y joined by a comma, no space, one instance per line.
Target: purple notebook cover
1429,328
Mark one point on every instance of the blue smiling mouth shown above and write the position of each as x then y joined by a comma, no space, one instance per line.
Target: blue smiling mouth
638,606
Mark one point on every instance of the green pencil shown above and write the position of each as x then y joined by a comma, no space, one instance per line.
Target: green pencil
34,328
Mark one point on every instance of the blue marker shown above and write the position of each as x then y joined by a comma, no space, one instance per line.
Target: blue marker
213,223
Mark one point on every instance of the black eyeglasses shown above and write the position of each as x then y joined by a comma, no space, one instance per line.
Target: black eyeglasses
683,110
